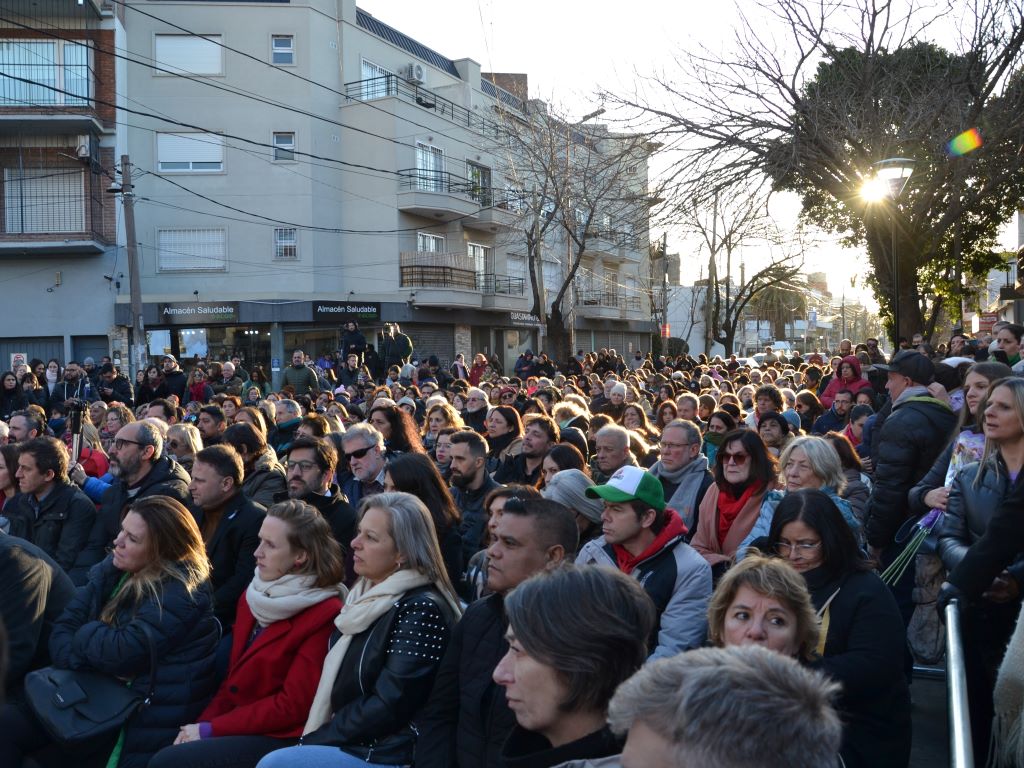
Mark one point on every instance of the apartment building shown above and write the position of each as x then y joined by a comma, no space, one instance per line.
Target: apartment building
60,263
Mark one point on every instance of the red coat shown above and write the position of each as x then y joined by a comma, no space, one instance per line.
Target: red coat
271,684
854,385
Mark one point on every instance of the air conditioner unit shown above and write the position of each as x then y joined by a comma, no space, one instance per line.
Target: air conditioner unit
414,73
84,147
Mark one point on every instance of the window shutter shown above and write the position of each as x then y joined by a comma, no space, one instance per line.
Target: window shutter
190,53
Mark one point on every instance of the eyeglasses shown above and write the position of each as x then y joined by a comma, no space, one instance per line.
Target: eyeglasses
803,548
173,444
672,446
358,454
121,442
739,459
302,466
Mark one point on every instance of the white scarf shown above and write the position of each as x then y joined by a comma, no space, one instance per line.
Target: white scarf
365,604
271,601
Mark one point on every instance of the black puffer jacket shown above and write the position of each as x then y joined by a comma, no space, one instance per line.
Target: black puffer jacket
970,508
62,526
265,480
910,441
186,637
166,478
467,719
385,678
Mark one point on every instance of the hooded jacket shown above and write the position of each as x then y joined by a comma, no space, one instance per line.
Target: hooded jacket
677,579
855,384
265,480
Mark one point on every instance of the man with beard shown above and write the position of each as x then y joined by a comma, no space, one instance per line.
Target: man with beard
470,487
311,465
140,469
367,461
539,434
74,387
475,415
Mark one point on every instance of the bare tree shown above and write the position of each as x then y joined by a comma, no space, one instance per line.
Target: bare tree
814,92
584,193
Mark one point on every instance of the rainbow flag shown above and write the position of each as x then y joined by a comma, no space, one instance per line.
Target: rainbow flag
968,141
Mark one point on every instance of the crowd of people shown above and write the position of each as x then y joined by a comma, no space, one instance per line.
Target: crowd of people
604,562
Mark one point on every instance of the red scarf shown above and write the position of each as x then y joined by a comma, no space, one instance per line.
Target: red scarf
674,526
729,507
852,437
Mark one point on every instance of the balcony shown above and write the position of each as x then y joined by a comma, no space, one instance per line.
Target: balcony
611,241
46,88
435,194
429,269
607,304
501,285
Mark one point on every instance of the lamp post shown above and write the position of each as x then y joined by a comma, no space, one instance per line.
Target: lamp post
890,179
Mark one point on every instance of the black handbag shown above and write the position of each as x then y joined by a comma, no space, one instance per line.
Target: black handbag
77,706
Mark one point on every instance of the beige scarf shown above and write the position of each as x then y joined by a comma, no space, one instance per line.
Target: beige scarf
1007,746
364,606
282,598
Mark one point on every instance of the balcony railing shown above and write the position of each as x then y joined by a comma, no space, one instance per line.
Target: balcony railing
501,285
393,85
617,237
44,73
610,299
430,269
424,180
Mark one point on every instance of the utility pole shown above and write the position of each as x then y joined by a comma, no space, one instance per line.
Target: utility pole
664,293
709,314
137,355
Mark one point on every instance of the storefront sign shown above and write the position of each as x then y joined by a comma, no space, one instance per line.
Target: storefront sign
343,311
198,312
524,319
985,321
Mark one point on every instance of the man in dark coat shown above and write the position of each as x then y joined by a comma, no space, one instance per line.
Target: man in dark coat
470,486
34,593
114,387
230,524
175,378
140,469
352,341
466,720
51,512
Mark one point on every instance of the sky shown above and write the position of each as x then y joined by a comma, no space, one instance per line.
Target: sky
570,49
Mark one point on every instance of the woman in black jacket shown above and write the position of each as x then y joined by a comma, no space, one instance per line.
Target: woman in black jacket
977,491
862,635
390,638
155,583
12,397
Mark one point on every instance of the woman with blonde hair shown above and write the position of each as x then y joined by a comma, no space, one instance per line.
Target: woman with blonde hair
439,416
153,591
183,443
116,416
388,644
282,626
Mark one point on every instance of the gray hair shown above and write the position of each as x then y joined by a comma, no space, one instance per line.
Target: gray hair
567,488
621,434
291,406
412,528
149,434
823,457
365,431
618,389
700,700
692,431
688,397
5,431
189,434
478,392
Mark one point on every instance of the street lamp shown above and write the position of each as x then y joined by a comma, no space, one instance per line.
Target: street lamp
890,179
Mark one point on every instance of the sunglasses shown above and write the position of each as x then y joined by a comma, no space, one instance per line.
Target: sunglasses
739,459
359,453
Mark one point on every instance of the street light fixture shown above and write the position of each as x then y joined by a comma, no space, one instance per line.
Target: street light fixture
889,181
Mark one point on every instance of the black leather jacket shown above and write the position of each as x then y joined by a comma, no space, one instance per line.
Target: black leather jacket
969,509
386,676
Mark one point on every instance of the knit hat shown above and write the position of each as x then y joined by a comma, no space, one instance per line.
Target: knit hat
794,420
631,484
408,401
568,487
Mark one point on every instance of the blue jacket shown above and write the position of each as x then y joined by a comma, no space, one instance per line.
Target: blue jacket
185,633
771,501
829,421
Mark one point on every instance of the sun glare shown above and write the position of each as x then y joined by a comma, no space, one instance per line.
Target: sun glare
875,189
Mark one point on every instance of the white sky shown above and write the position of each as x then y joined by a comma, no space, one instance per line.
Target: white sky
571,48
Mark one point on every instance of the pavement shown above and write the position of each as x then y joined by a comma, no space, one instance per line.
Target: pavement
930,713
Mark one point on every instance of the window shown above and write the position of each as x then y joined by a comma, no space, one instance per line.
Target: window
286,244
377,81
429,168
42,200
191,250
194,54
482,261
190,152
480,184
52,66
429,243
284,147
282,50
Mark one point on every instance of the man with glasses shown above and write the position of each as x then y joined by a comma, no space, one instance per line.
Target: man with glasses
140,469
364,450
645,539
74,387
475,415
835,418
310,472
683,471
51,512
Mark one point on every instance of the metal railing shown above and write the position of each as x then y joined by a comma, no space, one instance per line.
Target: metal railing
446,182
609,299
961,749
503,285
616,237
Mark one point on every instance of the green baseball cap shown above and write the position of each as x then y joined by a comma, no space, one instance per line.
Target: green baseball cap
631,484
